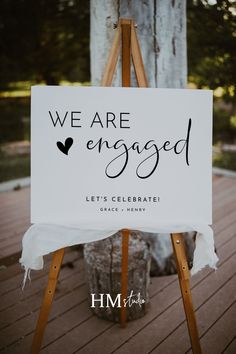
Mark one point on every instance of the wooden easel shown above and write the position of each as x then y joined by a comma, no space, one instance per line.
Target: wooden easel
127,37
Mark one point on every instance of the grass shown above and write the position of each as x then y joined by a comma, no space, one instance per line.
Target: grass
22,88
12,167
14,119
225,160
14,126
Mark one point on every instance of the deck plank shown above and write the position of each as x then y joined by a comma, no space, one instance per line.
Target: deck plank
73,329
231,347
140,336
221,333
208,310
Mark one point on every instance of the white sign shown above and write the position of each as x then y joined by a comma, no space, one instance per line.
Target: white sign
121,157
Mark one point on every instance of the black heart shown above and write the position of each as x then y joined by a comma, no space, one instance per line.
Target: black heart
66,147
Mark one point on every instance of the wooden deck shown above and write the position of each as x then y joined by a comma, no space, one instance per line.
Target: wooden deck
73,329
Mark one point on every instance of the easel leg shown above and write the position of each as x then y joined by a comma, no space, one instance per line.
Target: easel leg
184,276
126,81
126,52
124,275
47,301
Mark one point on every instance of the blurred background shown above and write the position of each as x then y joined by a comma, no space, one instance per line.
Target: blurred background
49,45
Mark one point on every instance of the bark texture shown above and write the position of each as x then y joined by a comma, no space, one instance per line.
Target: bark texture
161,28
103,265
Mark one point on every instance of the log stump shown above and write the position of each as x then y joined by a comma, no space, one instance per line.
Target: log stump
103,267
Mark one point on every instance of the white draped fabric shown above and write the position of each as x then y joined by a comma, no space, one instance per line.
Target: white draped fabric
41,239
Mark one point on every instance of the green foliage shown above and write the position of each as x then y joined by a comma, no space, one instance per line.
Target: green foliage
12,167
211,44
223,130
225,160
15,121
233,122
44,40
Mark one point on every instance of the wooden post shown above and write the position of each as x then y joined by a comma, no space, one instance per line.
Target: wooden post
47,301
184,276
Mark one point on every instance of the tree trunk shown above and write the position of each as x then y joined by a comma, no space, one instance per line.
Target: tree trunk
103,266
161,28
